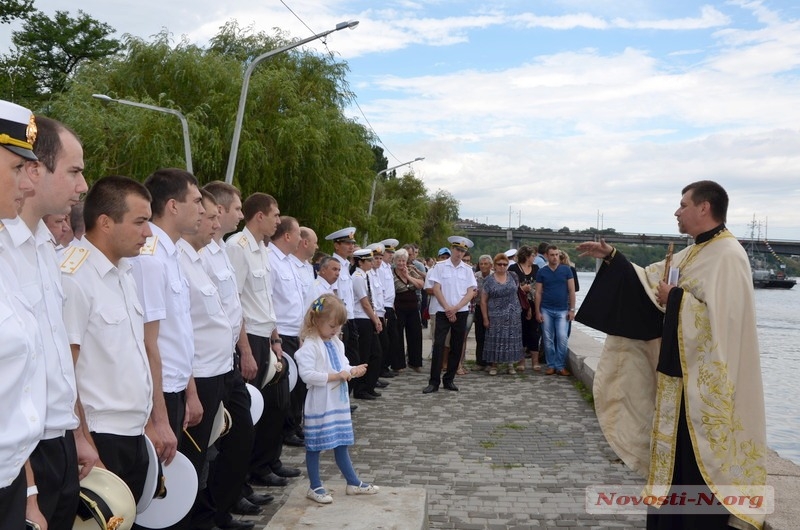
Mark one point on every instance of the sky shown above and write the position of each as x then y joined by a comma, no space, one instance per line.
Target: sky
552,113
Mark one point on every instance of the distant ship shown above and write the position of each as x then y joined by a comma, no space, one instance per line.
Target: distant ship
765,277
769,279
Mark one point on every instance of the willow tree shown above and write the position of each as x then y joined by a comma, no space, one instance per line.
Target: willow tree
296,143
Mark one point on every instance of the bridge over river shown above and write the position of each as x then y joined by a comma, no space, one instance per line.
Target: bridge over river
517,237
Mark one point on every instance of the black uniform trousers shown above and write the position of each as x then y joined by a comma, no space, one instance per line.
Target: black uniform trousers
55,468
12,503
228,471
126,457
369,353
457,330
392,357
297,397
350,340
268,443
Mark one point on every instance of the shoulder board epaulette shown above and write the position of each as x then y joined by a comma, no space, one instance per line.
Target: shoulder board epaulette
2,226
74,257
149,247
243,241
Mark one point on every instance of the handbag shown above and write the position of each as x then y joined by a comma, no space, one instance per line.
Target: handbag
523,299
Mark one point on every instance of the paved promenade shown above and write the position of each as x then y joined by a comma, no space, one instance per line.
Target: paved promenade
505,452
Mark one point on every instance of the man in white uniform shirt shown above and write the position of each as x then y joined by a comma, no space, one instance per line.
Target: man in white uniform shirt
454,286
164,294
214,339
105,327
393,356
20,339
305,251
379,302
228,470
288,295
344,244
367,323
254,279
327,277
58,181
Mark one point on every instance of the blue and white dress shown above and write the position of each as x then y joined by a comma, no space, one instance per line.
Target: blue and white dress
327,422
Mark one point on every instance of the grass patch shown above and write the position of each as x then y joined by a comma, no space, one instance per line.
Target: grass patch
586,394
488,445
513,426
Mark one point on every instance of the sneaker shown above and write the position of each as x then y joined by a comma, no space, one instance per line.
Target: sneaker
492,371
511,370
320,495
362,489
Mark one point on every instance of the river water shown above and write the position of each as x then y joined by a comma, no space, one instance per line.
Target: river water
778,324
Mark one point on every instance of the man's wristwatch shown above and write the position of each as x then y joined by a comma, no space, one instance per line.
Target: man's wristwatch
276,341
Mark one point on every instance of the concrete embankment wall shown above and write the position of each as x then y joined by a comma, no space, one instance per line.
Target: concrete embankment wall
782,474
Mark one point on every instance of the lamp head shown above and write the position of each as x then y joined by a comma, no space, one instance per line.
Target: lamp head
347,24
102,97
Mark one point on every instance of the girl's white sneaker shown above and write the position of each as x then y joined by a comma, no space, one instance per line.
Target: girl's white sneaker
319,495
362,489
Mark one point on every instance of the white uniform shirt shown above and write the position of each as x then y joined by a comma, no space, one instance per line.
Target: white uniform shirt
305,274
218,267
103,316
377,293
455,281
433,303
360,291
319,287
288,292
387,282
23,378
164,294
253,279
32,258
213,333
344,287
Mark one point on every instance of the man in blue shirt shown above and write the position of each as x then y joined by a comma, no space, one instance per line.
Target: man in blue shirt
555,308
540,260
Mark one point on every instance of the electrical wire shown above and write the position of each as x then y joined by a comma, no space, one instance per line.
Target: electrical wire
355,100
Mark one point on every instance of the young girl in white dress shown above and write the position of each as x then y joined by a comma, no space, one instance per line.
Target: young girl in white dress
321,363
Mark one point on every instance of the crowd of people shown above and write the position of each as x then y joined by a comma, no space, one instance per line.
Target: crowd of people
131,325
143,323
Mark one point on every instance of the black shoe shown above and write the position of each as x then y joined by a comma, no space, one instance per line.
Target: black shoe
451,386
353,408
381,384
363,395
294,441
388,374
235,524
260,500
245,507
374,393
287,472
270,479
430,389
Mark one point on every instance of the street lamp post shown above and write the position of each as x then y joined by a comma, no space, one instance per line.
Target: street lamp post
237,128
375,184
187,146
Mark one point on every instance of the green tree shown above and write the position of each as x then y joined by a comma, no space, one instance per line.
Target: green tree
13,9
401,207
296,143
54,48
438,225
